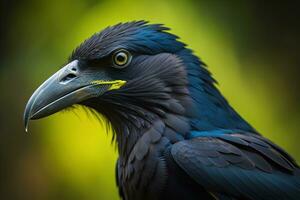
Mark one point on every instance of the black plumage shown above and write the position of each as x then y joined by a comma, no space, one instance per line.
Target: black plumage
177,136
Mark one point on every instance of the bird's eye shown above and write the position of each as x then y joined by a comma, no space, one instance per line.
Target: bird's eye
121,58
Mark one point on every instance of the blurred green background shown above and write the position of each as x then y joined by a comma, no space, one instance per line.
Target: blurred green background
251,47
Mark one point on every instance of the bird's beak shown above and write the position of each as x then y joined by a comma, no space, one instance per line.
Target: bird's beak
66,87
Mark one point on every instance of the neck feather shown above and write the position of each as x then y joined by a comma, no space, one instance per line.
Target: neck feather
181,94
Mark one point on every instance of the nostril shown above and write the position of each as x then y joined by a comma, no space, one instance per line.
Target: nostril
74,69
68,78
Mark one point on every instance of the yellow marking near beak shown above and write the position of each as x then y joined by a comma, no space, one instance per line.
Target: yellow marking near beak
116,84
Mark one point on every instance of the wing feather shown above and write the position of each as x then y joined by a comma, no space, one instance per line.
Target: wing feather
239,165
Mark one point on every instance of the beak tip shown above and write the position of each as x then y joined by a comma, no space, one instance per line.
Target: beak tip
26,122
26,126
27,117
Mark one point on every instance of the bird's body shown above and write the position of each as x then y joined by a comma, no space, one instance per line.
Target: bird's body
177,136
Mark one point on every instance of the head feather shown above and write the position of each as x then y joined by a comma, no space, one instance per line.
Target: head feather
136,36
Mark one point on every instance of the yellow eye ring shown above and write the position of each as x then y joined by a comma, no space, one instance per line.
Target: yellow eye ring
121,58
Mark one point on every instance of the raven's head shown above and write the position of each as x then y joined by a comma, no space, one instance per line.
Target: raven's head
131,73
138,76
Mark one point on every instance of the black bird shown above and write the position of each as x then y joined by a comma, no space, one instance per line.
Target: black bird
177,136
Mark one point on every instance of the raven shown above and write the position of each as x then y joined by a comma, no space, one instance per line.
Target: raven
177,136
